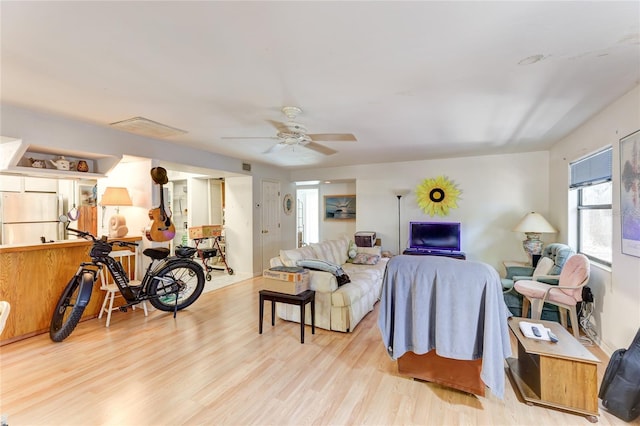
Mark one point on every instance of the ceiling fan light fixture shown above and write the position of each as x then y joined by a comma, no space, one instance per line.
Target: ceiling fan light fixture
295,127
291,111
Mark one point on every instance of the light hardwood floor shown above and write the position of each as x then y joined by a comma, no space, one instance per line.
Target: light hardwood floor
211,367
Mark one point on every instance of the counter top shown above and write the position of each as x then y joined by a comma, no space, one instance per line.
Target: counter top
11,248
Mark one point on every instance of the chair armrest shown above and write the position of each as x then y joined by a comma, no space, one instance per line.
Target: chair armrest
548,279
568,287
322,281
525,271
522,277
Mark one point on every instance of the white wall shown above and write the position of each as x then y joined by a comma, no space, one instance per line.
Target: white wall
497,191
616,290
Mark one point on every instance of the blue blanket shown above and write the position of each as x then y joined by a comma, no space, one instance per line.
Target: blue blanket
453,306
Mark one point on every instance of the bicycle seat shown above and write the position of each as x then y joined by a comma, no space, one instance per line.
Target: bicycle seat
185,251
156,253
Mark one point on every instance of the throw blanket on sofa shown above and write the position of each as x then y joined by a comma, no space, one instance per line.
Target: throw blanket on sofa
452,306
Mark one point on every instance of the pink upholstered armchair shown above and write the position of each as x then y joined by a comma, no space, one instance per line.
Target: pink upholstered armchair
565,295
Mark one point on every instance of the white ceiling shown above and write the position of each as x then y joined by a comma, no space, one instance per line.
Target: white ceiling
411,80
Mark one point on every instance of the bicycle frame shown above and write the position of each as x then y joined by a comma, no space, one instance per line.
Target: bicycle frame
137,294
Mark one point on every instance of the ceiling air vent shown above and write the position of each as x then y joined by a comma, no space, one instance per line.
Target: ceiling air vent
246,167
145,127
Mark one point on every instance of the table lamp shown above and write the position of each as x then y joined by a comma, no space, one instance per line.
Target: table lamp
533,224
116,196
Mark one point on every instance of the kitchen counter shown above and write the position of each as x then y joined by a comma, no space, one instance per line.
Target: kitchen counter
32,277
11,248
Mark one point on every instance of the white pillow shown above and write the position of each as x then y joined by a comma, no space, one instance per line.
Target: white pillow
377,250
290,257
543,267
366,259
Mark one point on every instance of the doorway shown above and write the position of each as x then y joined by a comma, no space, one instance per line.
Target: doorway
307,216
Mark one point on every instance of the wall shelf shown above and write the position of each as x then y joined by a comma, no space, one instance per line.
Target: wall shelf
15,158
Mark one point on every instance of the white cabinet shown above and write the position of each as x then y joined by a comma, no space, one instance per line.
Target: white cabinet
9,183
35,184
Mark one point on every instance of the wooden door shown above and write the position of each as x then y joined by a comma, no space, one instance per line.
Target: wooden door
270,221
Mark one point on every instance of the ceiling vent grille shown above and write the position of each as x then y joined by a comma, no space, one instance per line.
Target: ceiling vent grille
145,127
246,167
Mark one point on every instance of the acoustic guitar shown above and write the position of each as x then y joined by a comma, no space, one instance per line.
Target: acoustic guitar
161,228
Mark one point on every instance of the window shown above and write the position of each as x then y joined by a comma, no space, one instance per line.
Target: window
591,178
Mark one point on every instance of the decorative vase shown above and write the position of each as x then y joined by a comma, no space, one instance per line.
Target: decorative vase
82,166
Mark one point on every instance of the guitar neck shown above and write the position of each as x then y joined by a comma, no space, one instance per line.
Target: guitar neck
161,196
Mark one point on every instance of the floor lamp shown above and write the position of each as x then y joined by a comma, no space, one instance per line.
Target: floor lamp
400,193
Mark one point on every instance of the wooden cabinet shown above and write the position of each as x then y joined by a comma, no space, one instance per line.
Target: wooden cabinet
33,278
559,375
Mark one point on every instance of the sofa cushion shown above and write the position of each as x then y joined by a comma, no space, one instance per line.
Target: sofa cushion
375,271
291,257
349,293
334,251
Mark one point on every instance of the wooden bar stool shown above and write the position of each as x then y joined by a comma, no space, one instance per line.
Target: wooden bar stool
301,300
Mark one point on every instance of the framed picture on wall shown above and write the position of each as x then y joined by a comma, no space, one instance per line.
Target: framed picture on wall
630,193
287,204
339,207
87,195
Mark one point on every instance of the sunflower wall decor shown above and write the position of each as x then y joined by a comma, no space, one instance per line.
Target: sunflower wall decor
437,196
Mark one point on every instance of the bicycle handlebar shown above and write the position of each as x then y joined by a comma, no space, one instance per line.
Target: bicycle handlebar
85,234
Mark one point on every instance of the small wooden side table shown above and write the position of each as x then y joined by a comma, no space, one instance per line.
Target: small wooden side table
559,375
308,296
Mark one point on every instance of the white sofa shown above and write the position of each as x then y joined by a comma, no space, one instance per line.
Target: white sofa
337,308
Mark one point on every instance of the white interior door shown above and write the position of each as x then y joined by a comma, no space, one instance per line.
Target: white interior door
270,221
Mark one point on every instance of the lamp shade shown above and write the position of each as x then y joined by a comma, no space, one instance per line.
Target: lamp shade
400,192
535,223
116,196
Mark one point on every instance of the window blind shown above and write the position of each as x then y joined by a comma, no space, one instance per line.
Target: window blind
593,169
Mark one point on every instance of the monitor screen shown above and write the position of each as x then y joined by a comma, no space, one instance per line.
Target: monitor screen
434,235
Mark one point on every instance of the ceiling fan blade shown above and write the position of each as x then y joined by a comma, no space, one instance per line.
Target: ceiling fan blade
320,148
275,148
278,125
248,137
333,137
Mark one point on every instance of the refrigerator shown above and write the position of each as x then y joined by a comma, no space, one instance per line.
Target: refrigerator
28,216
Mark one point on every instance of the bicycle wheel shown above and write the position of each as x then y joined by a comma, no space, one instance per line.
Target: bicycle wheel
68,310
181,279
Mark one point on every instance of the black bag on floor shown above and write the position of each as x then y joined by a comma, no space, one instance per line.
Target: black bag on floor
620,388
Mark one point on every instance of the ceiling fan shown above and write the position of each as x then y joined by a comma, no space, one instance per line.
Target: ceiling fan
291,134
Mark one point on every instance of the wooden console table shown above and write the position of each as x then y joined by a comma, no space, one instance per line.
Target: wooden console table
559,375
454,255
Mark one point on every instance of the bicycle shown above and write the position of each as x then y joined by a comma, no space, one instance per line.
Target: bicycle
170,283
